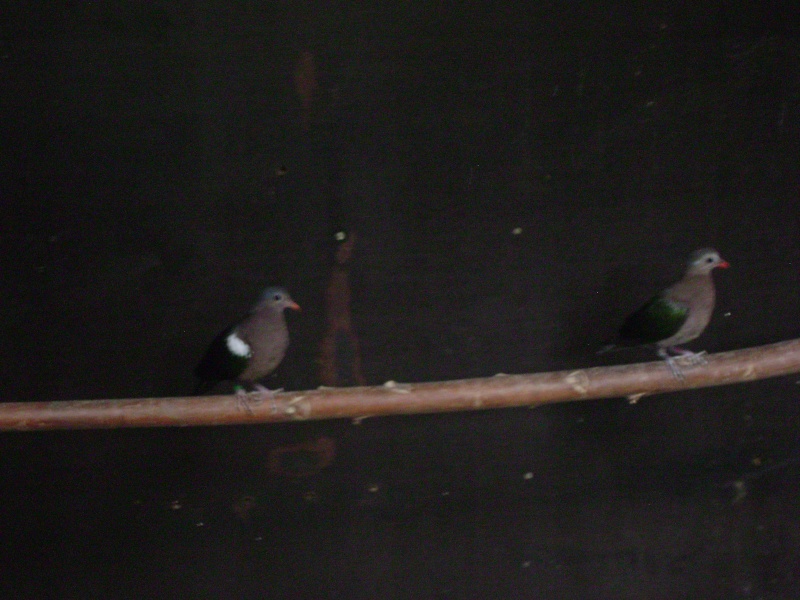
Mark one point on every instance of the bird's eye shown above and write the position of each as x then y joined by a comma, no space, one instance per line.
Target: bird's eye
710,259
277,297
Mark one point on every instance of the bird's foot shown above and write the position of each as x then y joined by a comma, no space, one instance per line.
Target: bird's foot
676,370
681,356
243,400
672,364
268,394
689,357
262,394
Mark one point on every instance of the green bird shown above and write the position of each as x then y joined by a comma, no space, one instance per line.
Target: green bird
251,349
677,315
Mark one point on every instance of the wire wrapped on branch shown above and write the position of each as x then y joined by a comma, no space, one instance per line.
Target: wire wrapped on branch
501,391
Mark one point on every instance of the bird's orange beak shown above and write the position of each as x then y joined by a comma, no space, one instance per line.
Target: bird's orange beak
724,264
293,305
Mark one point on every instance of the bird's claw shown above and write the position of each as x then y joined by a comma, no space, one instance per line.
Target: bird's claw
243,401
262,394
268,394
693,358
673,366
687,357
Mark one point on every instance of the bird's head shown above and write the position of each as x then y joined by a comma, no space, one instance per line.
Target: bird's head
702,262
276,298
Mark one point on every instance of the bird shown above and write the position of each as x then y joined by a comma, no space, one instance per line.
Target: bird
676,315
249,350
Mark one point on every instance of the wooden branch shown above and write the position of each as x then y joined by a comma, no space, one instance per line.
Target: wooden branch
633,381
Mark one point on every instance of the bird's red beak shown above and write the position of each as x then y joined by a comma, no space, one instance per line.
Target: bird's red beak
293,305
724,264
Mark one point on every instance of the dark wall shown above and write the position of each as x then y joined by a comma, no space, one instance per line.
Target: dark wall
159,167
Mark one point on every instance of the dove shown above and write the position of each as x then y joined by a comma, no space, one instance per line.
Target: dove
251,349
677,315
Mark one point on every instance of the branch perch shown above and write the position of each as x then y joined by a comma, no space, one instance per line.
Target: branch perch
632,381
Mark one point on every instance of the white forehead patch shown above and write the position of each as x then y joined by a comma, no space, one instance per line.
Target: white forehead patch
237,345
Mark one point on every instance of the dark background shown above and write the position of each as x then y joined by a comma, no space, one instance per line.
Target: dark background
144,206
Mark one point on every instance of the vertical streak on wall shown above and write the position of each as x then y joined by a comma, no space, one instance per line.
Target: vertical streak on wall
340,356
305,85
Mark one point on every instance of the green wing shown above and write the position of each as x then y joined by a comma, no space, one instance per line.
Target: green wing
657,320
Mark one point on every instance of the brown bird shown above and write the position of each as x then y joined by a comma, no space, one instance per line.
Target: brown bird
250,350
677,315
340,356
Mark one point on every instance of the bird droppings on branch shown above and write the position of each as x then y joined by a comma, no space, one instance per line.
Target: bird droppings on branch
579,382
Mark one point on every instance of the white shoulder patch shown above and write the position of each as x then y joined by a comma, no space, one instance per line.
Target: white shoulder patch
237,345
